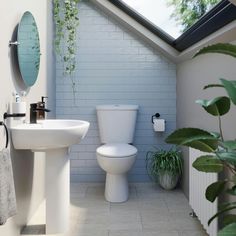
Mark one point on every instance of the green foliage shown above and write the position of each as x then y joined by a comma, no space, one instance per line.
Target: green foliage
223,152
228,156
208,164
230,87
224,48
223,210
217,107
214,190
229,230
229,219
162,160
213,86
230,144
195,138
66,21
232,191
187,12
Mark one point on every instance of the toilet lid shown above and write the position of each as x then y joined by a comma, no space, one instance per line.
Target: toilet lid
117,150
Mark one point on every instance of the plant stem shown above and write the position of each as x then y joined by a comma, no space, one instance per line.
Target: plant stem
220,127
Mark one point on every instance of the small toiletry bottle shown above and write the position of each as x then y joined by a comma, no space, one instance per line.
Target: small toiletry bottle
17,98
18,107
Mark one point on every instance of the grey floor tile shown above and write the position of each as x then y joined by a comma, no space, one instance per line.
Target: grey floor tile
141,233
125,233
87,232
192,233
34,230
161,225
152,205
154,216
150,211
131,205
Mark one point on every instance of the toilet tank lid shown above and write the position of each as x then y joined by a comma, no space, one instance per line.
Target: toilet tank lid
117,107
117,150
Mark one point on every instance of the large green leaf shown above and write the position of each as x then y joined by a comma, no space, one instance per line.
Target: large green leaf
229,219
230,87
213,86
223,48
229,157
229,207
214,190
208,164
232,191
195,138
231,144
229,230
216,134
226,204
217,107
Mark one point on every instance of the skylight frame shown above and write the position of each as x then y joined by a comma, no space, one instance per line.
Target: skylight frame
219,16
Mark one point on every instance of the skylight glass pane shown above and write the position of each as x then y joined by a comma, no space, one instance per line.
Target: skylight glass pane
160,13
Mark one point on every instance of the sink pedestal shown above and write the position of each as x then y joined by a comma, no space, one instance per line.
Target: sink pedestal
53,137
57,190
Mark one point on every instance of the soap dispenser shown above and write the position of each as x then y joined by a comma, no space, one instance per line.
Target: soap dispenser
41,105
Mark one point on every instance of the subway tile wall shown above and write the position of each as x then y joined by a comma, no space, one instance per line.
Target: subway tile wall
114,66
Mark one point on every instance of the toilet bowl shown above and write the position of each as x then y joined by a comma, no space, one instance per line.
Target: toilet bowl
116,156
116,159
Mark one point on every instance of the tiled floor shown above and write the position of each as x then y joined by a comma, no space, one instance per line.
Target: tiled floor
150,211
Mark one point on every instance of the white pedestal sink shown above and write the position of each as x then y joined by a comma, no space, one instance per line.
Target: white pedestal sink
53,137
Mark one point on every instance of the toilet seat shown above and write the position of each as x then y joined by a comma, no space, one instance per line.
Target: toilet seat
117,150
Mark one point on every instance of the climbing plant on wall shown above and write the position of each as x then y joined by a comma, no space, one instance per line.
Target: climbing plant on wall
66,20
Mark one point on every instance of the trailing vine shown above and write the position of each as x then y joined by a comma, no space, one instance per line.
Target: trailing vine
65,13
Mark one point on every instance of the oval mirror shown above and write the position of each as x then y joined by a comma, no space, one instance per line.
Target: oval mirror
28,49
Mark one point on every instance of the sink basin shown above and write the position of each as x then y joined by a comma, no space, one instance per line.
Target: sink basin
54,138
49,134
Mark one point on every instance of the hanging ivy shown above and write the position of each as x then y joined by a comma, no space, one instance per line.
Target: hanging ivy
66,21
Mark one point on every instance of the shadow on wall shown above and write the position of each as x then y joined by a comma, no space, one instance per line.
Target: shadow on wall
23,169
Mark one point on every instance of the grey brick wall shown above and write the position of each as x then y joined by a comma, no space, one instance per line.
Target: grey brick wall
115,66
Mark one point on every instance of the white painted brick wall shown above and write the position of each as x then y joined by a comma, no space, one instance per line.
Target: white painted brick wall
115,66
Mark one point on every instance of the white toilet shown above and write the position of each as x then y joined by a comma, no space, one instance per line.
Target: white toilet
116,156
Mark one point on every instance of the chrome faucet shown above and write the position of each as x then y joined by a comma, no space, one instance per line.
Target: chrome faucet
33,112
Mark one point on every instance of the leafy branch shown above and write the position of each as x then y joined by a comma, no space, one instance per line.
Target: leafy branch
66,21
222,154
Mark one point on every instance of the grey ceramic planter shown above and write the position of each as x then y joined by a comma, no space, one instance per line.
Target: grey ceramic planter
167,180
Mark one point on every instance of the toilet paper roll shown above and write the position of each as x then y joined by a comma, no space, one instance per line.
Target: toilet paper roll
19,108
159,125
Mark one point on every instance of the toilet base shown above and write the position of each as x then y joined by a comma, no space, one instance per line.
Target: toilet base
116,188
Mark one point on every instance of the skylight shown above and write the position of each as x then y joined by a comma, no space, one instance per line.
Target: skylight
158,12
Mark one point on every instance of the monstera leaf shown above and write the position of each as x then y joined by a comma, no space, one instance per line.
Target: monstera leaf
217,107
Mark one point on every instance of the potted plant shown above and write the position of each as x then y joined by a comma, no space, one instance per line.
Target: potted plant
220,153
164,167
